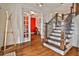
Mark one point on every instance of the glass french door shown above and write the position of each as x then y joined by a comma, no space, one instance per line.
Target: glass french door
27,31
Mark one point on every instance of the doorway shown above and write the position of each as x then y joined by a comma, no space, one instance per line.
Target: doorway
34,28
33,24
31,28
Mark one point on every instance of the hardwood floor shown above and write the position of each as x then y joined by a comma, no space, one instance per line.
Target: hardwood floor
36,49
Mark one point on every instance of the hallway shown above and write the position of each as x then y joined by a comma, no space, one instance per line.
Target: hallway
36,49
56,23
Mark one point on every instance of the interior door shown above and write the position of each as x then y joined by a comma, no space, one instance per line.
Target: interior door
25,26
27,34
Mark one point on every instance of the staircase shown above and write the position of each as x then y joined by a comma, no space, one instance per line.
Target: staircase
58,37
53,41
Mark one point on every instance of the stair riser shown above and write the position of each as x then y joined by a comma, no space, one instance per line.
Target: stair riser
58,28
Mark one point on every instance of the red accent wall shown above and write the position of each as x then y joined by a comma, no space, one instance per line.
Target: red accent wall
33,24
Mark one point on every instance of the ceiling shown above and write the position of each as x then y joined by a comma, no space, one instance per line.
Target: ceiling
47,7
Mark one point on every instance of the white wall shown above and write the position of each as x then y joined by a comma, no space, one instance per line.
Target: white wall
38,22
17,17
17,21
2,25
75,40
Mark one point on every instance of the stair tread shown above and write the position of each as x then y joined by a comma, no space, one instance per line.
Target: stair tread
58,47
55,32
55,35
53,39
56,40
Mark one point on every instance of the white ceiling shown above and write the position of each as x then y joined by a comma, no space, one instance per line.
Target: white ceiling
48,7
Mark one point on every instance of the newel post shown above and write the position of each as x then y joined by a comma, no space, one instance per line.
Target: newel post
45,30
71,10
56,17
62,35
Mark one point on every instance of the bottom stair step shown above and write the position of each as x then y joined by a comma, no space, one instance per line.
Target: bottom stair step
56,48
54,45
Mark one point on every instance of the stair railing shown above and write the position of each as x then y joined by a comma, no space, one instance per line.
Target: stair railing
49,26
65,24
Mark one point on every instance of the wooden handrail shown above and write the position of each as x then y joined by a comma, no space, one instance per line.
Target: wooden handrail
50,20
71,10
70,13
62,16
55,17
